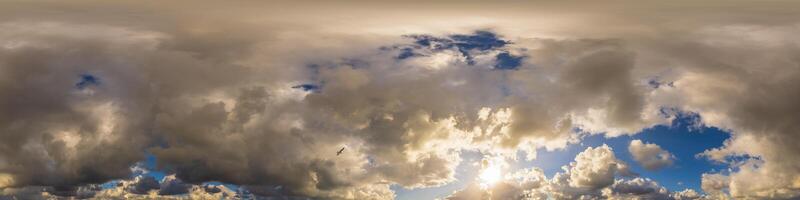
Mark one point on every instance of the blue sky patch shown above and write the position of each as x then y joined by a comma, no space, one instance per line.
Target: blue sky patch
87,80
481,41
406,53
654,83
506,61
308,87
432,42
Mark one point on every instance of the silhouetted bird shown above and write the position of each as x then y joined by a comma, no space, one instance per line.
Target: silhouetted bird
340,151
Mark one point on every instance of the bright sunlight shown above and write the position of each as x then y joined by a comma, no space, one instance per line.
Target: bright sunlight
490,175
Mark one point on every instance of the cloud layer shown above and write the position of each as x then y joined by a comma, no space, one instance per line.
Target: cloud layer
263,96
596,173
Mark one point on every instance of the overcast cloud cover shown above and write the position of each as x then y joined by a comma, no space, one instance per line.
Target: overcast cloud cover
261,94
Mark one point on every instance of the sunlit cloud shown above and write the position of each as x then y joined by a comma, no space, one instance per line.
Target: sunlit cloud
399,100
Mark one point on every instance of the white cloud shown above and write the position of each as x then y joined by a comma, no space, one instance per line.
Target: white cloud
649,155
715,184
686,194
595,174
595,168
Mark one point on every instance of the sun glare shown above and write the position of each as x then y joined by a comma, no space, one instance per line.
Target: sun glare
490,175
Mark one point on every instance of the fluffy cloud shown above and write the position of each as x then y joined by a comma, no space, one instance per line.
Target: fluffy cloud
595,174
595,168
715,185
650,156
686,194
239,96
146,187
144,92
713,86
638,188
502,190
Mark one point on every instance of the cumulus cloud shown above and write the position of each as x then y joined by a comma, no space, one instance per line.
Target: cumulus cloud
650,156
595,174
595,168
262,96
761,128
715,185
637,188
146,187
687,194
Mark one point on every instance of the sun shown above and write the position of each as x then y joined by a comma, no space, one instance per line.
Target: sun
490,175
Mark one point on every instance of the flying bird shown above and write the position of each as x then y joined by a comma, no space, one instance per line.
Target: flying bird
340,151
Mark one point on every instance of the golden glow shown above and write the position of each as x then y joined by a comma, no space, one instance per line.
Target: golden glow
490,175
6,180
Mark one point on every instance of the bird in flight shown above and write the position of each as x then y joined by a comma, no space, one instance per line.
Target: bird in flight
340,151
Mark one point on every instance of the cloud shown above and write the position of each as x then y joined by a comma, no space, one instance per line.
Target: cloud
650,156
167,188
262,96
595,168
57,130
715,185
711,87
637,188
143,185
686,194
595,174
502,190
397,119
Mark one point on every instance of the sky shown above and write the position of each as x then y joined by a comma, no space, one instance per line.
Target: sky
450,100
